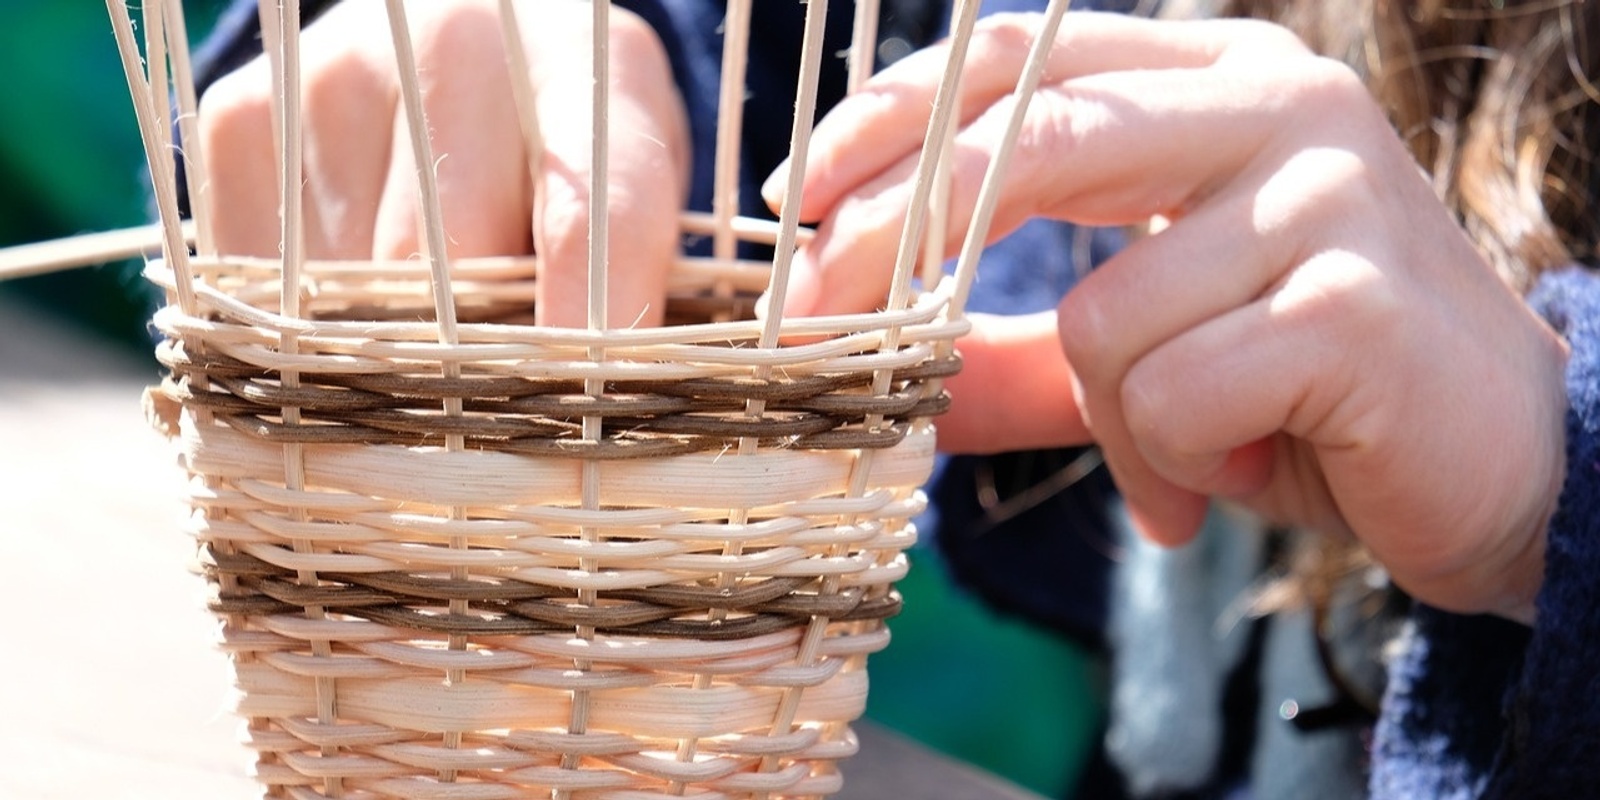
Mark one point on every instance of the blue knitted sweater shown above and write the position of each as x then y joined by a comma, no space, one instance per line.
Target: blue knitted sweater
1481,707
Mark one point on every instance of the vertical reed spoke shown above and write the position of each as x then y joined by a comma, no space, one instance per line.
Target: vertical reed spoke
522,93
196,173
805,112
598,269
994,177
863,44
153,132
599,168
939,208
436,245
444,306
272,31
730,130
944,103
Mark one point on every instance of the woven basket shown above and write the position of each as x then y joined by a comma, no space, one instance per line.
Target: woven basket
414,594
470,557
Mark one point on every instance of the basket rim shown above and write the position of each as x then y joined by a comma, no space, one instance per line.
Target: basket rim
926,308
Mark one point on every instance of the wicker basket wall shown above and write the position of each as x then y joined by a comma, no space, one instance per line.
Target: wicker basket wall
458,555
436,586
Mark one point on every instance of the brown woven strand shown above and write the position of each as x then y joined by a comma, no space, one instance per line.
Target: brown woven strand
641,419
513,607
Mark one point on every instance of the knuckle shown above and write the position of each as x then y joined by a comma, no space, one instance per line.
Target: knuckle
1371,298
237,108
1330,86
1260,38
1057,127
644,209
1340,290
1145,410
631,34
338,82
1086,331
563,222
1324,185
1006,32
455,29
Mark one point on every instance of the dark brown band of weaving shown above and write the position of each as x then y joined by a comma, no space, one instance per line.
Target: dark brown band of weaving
540,416
502,606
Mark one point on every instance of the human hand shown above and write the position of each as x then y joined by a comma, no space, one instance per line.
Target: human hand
1313,335
361,181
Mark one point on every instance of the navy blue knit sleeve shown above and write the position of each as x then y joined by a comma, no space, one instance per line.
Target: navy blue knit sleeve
1482,707
1552,745
1441,724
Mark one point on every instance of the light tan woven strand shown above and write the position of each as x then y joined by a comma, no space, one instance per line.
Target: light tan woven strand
933,240
938,139
939,208
284,40
935,163
730,131
87,249
522,93
598,274
271,21
936,143
805,110
799,149
523,96
196,173
438,257
599,166
724,245
863,44
155,64
941,118
434,237
922,188
994,177
151,127
799,145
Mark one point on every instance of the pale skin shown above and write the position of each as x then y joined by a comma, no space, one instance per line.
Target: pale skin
1311,335
361,180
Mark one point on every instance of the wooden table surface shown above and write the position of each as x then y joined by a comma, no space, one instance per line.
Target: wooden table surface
108,685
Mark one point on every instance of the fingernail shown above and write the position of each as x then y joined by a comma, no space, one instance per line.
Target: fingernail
1171,521
801,294
772,190
1078,393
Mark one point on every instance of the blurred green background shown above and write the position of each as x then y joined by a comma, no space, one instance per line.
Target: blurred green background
71,159
988,690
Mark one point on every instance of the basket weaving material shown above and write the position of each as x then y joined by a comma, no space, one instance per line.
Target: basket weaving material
529,609
456,555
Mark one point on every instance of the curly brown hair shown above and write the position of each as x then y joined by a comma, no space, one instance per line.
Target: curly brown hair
1496,100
